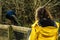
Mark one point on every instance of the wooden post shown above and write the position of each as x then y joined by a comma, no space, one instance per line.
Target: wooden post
0,10
10,33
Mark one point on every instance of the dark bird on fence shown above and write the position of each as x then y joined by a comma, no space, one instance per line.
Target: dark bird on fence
10,14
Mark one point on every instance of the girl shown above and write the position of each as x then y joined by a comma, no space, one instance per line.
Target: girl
44,28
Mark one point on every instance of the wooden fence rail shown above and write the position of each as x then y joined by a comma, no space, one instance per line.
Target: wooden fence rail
12,28
15,28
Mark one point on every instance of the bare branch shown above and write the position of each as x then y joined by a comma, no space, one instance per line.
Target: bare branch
55,4
46,4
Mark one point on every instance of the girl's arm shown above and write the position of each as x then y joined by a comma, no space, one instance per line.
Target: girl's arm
33,34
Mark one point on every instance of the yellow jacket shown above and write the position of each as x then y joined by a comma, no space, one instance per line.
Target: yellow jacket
44,33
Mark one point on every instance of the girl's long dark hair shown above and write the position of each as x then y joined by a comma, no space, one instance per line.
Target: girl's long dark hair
44,17
42,13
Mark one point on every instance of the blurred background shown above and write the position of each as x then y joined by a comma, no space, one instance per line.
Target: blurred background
25,10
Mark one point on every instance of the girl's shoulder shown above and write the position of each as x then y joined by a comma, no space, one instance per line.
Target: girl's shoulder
35,24
57,23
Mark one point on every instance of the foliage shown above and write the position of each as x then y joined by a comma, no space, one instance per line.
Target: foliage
25,9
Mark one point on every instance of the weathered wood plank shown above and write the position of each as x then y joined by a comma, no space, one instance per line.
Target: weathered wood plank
15,28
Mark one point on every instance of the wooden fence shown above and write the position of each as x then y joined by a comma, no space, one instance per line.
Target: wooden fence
10,29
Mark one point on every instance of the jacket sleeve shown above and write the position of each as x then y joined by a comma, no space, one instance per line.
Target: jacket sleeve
33,35
58,24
